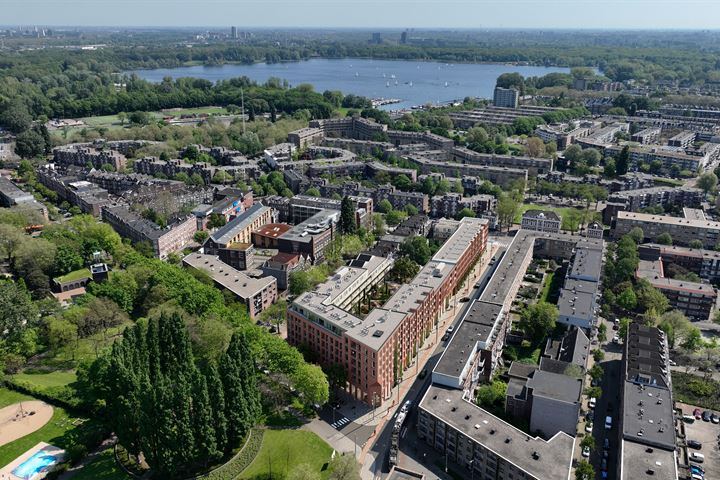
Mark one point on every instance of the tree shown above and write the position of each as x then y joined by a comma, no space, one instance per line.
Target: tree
348,225
637,235
596,372
476,136
609,170
707,182
695,243
538,319
675,325
572,155
627,299
313,192
275,313
15,116
507,209
242,399
417,249
17,310
492,394
394,217
622,161
465,212
588,441
623,328
535,147
344,467
378,225
30,144
584,471
200,236
571,220
664,239
312,384
140,118
404,270
693,340
221,176
591,157
216,220
593,392
60,332
384,206
122,116
650,298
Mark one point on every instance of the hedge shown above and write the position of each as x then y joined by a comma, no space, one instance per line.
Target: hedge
235,466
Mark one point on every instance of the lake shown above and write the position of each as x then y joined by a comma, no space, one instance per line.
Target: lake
413,82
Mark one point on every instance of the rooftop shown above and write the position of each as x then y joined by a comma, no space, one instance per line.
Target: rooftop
226,233
318,223
474,331
652,271
640,462
452,250
556,386
679,222
273,230
223,274
547,215
542,459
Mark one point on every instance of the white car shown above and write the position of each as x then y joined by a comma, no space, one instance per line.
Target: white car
592,402
588,427
616,339
586,452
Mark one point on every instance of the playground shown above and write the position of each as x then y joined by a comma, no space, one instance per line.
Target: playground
22,419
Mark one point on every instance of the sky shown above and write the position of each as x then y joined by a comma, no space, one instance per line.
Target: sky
615,14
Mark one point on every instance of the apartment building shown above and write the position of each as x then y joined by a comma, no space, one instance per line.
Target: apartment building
505,97
647,136
682,230
11,195
502,176
496,115
541,221
646,420
562,135
397,198
312,236
683,139
375,348
450,204
177,235
256,293
671,159
84,154
705,263
486,446
534,165
696,300
231,241
281,266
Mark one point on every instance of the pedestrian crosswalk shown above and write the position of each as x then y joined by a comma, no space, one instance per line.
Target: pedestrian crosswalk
337,425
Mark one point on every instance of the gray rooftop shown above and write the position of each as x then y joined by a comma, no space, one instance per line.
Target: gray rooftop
473,333
223,274
318,223
556,386
539,458
225,234
452,250
638,463
586,264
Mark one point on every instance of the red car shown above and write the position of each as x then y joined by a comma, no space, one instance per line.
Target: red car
697,414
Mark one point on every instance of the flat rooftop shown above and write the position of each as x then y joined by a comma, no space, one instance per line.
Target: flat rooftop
273,230
318,223
226,233
664,219
542,459
556,386
694,213
586,264
509,267
223,274
474,329
452,250
639,464
653,272
684,251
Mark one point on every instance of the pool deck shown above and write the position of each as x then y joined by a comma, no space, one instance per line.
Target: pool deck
6,471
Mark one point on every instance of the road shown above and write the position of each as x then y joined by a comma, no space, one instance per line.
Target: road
410,448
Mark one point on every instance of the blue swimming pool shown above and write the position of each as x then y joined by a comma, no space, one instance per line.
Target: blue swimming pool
34,465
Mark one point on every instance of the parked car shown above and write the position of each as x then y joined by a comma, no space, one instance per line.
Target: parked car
673,363
603,465
697,414
608,422
706,416
697,457
588,427
616,339
590,415
606,454
592,402
688,419
697,469
465,299
586,452
423,374
714,418
694,444
450,329
606,443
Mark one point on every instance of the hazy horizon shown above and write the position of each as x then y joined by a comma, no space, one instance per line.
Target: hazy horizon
369,14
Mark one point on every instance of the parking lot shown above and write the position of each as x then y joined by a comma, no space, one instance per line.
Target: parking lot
706,433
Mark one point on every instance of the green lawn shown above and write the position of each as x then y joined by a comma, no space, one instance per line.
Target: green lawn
531,206
62,431
101,121
8,397
102,467
76,275
190,111
60,378
67,357
281,450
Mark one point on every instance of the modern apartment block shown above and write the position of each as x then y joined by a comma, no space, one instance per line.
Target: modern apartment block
578,299
671,159
533,165
486,446
176,236
256,293
646,420
682,230
696,300
11,195
231,241
450,204
505,97
375,349
705,263
496,115
541,221
502,176
646,136
397,198
683,139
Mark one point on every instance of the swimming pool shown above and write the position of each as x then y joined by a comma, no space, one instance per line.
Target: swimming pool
38,463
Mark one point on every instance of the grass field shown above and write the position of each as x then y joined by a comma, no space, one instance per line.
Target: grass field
8,397
531,206
282,450
102,467
63,430
58,378
189,111
76,275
